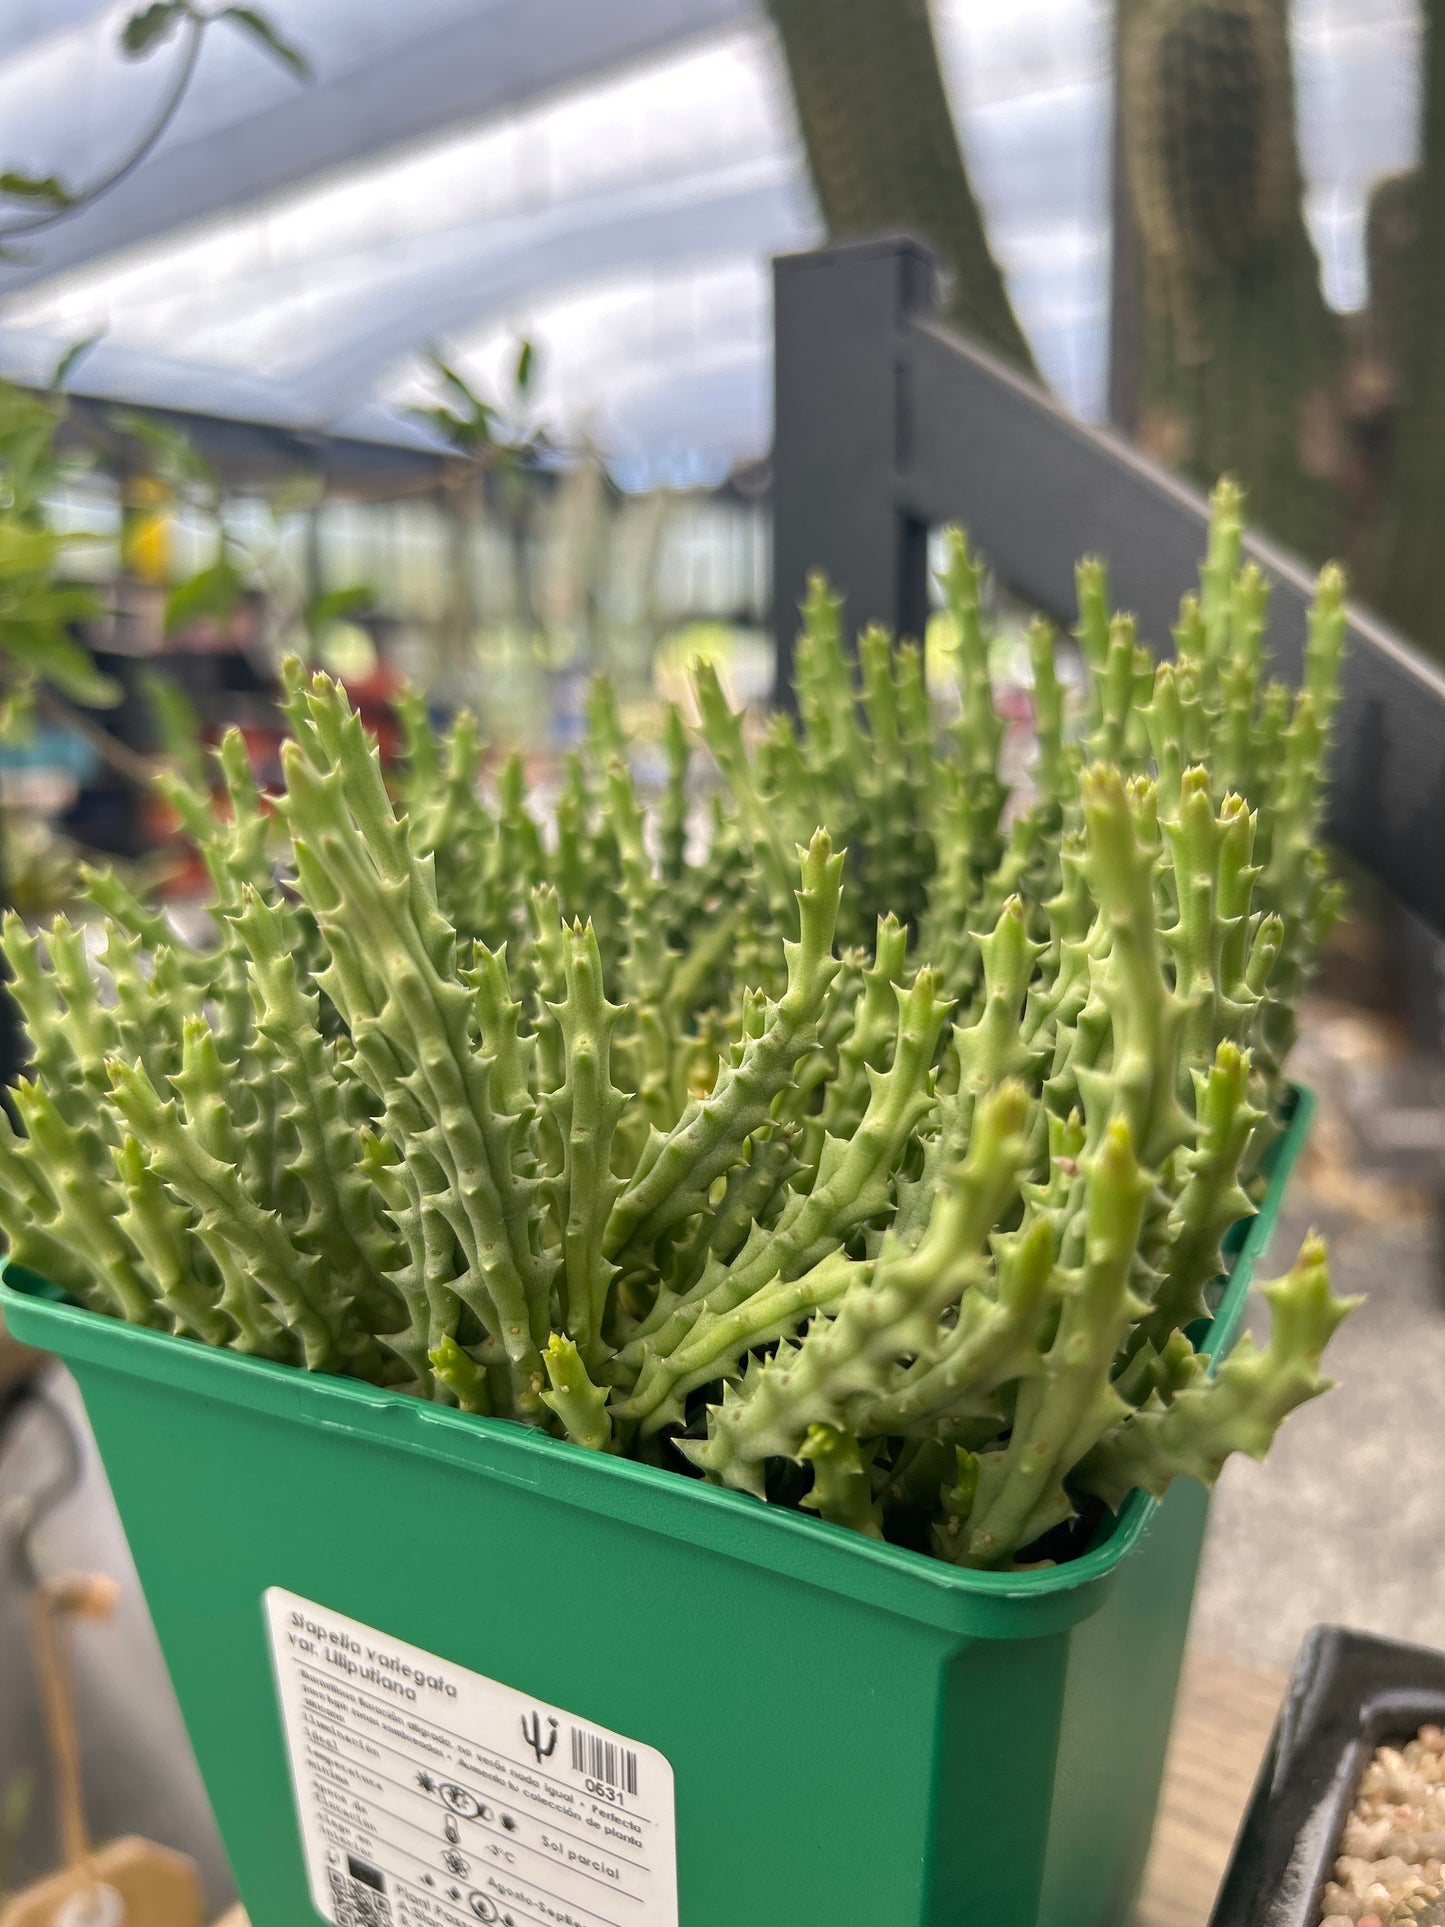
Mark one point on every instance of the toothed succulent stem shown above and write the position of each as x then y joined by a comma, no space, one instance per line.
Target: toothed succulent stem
161,1234
586,1108
702,1336
578,1403
1239,1408
601,1126
1064,1411
1144,1012
461,1375
710,1136
1211,1199
884,1314
842,1489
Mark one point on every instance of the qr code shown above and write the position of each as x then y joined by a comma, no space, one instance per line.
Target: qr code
358,1895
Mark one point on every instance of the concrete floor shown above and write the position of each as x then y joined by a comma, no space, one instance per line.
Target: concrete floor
1346,1519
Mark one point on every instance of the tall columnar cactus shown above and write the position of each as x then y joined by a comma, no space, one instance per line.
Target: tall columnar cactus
883,148
899,1153
1240,355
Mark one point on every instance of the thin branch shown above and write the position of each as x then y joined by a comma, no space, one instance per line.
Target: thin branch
119,756
36,223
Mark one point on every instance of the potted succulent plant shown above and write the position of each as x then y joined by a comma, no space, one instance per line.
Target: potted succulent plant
419,1243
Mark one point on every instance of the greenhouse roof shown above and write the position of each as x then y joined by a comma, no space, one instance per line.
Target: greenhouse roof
608,180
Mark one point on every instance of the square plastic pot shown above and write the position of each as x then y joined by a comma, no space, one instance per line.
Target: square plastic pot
860,1736
1348,1694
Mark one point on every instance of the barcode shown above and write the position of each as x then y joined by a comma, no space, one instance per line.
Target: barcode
604,1760
360,1901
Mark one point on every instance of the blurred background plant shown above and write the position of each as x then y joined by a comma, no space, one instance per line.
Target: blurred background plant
491,445
43,665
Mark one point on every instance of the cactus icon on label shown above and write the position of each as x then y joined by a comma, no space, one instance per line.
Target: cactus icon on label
532,1734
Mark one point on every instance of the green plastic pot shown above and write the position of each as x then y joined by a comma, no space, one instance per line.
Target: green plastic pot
859,1736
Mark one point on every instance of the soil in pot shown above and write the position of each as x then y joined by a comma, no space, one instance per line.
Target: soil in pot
1391,1867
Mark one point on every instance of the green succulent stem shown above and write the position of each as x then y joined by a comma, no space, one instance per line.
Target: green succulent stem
893,1176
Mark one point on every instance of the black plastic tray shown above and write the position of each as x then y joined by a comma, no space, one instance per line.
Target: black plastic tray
1348,1694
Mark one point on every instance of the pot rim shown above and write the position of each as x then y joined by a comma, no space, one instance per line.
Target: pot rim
655,1498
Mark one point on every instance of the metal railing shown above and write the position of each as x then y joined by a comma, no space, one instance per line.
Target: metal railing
887,423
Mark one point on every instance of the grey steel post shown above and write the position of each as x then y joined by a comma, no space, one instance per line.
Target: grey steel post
843,435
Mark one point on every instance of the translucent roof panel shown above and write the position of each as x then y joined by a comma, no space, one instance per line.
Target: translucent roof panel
273,284
1031,88
609,180
383,75
1357,68
685,161
23,22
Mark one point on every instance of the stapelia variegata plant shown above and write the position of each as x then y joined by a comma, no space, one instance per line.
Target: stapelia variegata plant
880,1168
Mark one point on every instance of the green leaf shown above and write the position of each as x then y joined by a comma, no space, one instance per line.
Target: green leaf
36,187
27,551
149,26
526,367
45,650
473,427
441,421
337,604
17,714
43,607
72,358
210,592
462,435
458,384
260,28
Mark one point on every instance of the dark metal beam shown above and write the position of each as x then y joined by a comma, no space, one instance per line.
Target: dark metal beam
840,314
888,423
251,455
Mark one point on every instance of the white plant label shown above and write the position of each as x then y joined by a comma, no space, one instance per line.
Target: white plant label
429,1796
